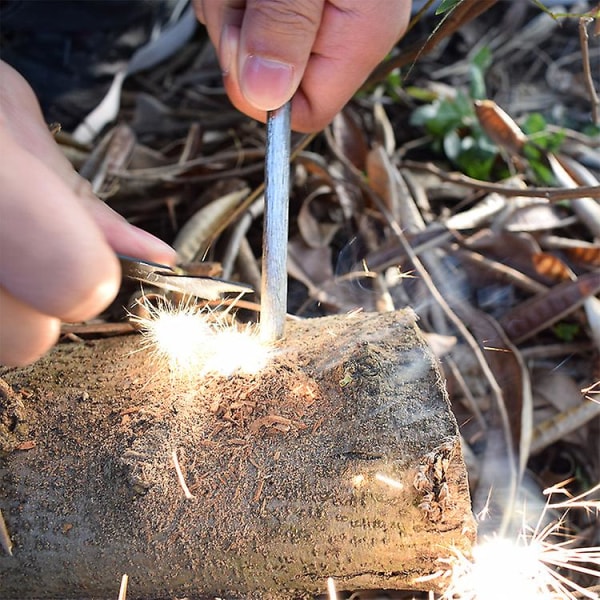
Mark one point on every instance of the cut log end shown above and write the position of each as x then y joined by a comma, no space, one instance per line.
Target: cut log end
341,458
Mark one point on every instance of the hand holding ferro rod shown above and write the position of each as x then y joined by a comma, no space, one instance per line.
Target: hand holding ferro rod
275,230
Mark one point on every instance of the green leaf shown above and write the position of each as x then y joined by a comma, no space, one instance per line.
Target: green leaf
422,94
566,332
446,5
478,67
474,160
535,127
534,123
438,118
452,145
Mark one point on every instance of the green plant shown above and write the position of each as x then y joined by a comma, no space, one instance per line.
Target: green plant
458,134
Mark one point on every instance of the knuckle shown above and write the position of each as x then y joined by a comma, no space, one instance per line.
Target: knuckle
290,18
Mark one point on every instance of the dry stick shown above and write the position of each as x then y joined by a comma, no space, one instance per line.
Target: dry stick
552,194
587,71
561,425
275,225
464,12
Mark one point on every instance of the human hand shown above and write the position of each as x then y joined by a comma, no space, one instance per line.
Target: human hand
318,51
56,238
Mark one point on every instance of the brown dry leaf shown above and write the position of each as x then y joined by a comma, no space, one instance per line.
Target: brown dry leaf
547,308
512,249
588,256
350,138
195,237
499,126
382,179
110,156
311,266
317,231
384,130
552,267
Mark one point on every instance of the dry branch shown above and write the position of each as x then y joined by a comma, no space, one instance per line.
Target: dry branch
290,470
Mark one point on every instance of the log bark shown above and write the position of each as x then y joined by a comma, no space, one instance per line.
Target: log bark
286,468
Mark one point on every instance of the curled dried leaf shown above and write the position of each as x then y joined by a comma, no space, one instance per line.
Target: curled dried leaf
552,267
315,226
195,236
350,138
588,256
499,126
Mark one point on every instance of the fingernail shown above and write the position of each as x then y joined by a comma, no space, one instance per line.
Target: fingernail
228,47
150,247
265,83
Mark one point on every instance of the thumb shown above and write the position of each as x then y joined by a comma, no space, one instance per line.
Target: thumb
275,42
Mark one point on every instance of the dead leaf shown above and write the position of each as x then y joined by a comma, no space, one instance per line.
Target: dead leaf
195,236
5,540
382,180
314,219
384,129
588,256
440,344
479,214
543,310
350,138
552,267
554,389
592,312
499,126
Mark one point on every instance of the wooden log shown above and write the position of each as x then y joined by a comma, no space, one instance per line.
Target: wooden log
341,458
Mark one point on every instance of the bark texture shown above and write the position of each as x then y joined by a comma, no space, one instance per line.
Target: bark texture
285,468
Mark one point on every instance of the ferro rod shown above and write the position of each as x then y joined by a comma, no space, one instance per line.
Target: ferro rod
275,226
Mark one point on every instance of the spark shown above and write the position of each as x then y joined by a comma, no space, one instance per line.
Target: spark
195,341
123,587
530,567
180,477
5,540
591,391
331,591
390,481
